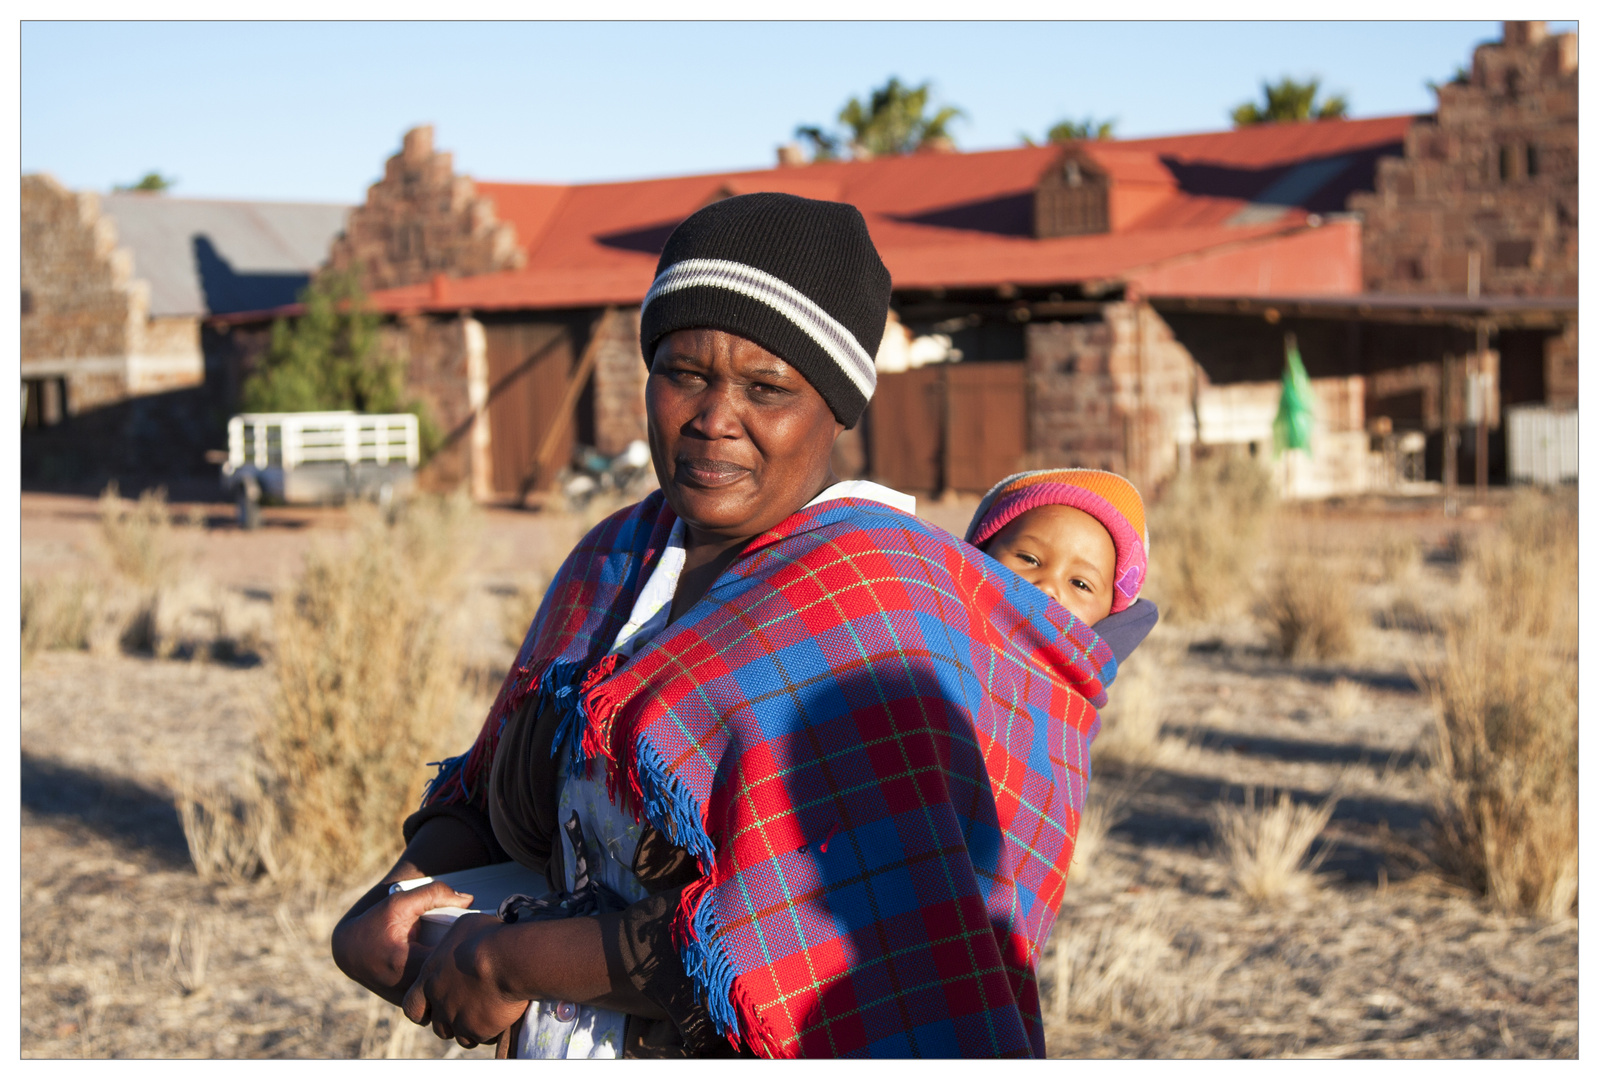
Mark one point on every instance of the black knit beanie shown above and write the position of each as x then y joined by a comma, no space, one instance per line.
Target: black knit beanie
799,277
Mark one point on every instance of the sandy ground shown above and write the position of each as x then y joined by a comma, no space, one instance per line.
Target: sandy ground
125,953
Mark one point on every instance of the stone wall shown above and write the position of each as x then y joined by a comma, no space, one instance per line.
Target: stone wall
1560,369
1110,393
1487,189
422,219
619,376
434,351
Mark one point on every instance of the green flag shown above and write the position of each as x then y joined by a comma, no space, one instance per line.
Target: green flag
1295,412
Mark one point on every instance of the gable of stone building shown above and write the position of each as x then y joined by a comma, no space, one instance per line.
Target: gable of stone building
79,296
1486,193
423,220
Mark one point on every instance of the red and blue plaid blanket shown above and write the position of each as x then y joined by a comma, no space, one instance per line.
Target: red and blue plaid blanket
875,740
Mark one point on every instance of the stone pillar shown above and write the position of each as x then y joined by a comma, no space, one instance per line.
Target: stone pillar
480,457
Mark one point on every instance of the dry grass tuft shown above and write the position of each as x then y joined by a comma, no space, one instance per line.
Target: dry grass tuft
1399,555
1346,699
369,689
1505,693
189,950
1204,536
231,834
57,613
1265,847
1309,609
1130,736
1128,971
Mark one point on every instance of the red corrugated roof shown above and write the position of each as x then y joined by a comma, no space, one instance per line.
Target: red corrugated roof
951,220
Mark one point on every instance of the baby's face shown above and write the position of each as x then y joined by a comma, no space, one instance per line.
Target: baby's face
1063,551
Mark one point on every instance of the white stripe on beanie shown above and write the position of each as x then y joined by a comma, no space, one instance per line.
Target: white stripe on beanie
834,338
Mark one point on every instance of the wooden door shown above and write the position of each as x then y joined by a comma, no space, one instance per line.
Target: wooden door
529,364
960,426
904,429
987,424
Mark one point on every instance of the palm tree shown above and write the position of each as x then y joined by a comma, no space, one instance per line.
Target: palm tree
892,121
1077,130
1291,100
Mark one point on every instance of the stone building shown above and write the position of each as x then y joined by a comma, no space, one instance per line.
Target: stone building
1484,200
115,290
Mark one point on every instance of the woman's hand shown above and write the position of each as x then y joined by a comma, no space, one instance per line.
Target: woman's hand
458,989
378,947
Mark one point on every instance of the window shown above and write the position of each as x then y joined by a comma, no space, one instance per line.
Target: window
1532,160
44,402
27,302
1513,254
1504,163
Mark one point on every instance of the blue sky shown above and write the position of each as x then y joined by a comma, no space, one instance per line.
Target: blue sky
311,110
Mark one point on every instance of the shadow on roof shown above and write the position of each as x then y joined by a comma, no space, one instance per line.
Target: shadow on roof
1318,185
227,290
651,240
1006,215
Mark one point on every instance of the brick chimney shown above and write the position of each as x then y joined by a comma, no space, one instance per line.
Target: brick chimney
790,155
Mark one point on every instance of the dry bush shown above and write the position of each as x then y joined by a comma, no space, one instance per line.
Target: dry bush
137,536
369,687
57,613
1309,609
518,608
1130,735
1505,694
1526,570
1204,536
1106,808
1265,847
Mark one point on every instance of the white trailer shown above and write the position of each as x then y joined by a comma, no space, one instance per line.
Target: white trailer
1541,444
318,458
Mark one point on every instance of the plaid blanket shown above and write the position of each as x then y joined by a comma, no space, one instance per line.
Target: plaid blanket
875,740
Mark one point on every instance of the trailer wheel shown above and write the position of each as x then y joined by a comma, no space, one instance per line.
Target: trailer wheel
249,500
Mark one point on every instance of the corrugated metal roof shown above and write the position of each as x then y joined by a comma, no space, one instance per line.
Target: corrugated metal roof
947,220
209,257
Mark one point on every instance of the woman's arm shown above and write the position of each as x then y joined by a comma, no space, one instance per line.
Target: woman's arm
482,975
372,943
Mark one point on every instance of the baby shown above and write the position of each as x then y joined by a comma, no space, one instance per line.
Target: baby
1077,534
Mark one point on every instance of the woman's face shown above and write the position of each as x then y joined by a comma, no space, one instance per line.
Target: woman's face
740,439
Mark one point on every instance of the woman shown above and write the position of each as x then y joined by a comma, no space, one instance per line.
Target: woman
793,760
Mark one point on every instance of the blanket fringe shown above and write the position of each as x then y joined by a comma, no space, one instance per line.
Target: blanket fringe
561,685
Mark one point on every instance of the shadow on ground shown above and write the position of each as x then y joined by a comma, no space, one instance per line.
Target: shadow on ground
123,811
